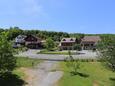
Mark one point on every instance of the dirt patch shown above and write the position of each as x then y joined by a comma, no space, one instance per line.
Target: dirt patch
95,84
28,76
42,75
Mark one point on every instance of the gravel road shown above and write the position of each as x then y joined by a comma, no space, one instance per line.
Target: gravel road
43,74
32,54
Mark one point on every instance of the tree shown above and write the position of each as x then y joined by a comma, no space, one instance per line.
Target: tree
107,51
13,32
7,60
72,64
1,30
77,47
49,44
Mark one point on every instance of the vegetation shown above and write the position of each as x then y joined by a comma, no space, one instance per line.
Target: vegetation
85,73
77,47
16,78
72,64
15,31
107,51
97,75
10,75
7,60
27,62
21,49
50,45
11,79
56,52
56,36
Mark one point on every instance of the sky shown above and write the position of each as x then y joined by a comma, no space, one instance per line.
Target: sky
73,16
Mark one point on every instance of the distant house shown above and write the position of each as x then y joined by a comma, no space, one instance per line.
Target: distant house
67,43
32,42
90,42
20,39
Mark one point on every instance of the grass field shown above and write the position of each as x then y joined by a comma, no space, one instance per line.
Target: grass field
27,62
55,52
98,75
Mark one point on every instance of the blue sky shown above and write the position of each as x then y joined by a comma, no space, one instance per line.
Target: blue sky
79,16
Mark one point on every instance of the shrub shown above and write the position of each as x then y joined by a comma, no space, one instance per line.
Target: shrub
7,60
73,65
77,47
50,45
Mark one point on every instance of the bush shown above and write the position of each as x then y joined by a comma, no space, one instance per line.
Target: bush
112,78
50,45
77,47
7,60
73,65
107,51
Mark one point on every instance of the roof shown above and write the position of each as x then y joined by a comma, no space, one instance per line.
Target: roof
34,38
68,40
91,39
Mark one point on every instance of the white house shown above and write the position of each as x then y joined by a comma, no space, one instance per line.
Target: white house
20,39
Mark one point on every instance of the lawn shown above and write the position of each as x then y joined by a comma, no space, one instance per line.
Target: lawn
27,62
55,52
98,75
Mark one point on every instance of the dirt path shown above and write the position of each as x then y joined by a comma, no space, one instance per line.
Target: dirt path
45,74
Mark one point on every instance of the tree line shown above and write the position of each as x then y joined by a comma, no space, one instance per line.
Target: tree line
13,32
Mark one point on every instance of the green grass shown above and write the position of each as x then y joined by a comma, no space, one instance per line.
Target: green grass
21,49
19,73
98,74
27,62
54,52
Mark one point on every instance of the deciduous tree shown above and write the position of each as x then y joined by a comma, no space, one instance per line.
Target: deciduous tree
107,51
7,60
49,44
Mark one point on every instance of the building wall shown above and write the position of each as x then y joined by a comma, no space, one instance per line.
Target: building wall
67,46
88,46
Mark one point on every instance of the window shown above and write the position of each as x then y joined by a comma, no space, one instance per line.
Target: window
71,40
64,40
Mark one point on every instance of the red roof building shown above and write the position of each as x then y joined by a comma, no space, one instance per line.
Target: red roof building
90,42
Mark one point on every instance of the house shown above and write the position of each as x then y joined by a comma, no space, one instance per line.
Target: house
90,42
20,39
67,43
32,42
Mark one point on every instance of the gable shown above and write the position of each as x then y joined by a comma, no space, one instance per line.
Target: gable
68,40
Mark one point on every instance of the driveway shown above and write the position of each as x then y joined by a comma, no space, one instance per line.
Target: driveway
44,74
33,54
